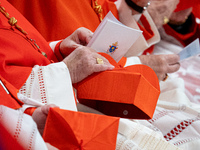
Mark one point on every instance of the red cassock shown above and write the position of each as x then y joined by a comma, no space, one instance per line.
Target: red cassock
8,97
17,54
56,20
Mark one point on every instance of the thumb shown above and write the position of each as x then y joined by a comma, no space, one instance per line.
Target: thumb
45,108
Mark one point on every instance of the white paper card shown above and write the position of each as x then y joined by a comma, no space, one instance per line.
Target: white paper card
113,38
191,50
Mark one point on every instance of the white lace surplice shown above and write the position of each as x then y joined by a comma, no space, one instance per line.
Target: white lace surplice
49,85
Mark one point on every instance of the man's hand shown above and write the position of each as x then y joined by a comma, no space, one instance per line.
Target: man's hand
40,116
161,64
80,37
161,9
180,17
82,62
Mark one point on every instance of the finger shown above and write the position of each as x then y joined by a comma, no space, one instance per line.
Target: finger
45,108
172,59
173,68
103,67
84,35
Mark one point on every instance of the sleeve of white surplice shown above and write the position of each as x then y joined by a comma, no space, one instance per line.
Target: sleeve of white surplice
19,131
49,84
132,61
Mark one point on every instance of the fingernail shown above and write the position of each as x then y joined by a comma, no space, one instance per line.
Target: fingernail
111,67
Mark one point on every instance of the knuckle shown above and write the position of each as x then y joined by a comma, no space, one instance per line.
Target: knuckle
82,50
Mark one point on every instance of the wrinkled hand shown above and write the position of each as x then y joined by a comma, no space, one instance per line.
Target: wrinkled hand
82,62
159,9
80,37
180,16
40,116
161,64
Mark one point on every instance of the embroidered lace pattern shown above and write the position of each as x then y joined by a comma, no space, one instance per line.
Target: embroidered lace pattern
18,126
184,141
24,90
31,139
42,86
32,75
179,128
161,114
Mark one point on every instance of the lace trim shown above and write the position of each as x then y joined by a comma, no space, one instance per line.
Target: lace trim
18,126
24,90
161,114
31,139
32,76
185,141
42,86
120,140
178,129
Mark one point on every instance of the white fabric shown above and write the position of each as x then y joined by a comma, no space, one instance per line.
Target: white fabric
176,119
177,113
125,144
179,124
49,84
143,137
22,129
132,60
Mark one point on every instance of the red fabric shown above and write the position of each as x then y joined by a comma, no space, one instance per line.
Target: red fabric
56,20
185,39
9,99
146,28
184,4
30,110
196,10
17,54
69,16
122,62
7,141
133,88
85,131
147,32
57,51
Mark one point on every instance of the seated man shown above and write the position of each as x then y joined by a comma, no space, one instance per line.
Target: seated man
32,68
173,101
